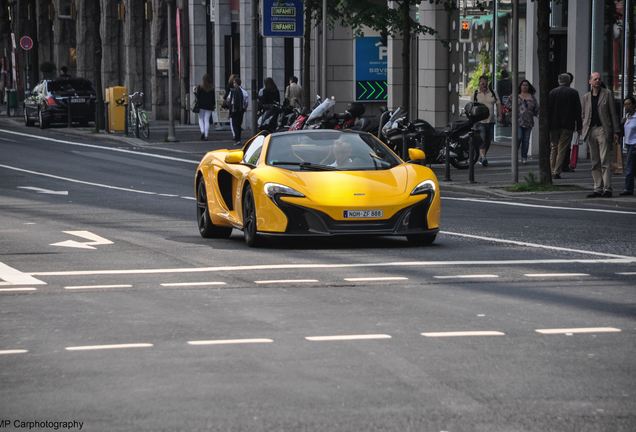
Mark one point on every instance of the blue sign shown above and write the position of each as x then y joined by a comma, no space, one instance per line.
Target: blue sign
371,69
282,18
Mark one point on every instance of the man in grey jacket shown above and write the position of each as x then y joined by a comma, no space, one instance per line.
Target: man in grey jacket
600,129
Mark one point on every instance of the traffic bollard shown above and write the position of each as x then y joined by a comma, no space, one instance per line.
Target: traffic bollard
471,159
68,112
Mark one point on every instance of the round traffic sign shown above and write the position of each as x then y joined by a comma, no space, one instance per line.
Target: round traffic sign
26,43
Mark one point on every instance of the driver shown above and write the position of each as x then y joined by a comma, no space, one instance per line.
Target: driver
342,153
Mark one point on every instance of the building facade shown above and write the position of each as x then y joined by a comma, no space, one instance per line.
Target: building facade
217,37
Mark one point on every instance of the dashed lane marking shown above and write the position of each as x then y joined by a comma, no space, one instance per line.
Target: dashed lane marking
230,341
17,289
81,287
13,351
191,284
626,273
568,331
463,333
108,347
376,279
473,276
347,337
283,281
548,275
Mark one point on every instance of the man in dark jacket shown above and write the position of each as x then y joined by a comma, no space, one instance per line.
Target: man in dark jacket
564,117
237,101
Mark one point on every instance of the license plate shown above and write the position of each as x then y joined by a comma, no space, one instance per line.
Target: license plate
363,213
78,100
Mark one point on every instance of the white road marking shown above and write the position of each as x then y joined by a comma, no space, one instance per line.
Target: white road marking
17,289
189,198
188,284
278,281
13,351
469,276
78,181
539,246
11,276
80,287
95,240
463,333
626,273
372,279
230,341
347,337
114,149
579,330
104,347
517,204
548,275
43,191
329,266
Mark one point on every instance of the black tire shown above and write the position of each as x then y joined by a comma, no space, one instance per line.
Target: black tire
43,123
27,120
421,239
460,165
145,130
206,228
250,233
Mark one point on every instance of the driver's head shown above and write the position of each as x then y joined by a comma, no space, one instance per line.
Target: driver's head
341,150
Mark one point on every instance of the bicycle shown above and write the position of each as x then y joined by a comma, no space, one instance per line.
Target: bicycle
137,117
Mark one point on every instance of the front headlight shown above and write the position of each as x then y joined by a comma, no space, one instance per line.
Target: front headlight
427,186
274,189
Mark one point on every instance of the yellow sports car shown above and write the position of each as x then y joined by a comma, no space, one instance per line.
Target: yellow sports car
316,183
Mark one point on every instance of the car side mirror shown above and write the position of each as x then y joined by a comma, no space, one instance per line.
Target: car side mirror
234,157
416,154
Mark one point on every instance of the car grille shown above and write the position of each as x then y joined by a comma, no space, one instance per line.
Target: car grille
306,221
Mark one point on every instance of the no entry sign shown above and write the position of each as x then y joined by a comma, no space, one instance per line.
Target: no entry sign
26,43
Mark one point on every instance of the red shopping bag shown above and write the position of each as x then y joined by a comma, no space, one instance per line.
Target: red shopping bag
574,155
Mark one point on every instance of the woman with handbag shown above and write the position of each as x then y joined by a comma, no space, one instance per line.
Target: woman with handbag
204,104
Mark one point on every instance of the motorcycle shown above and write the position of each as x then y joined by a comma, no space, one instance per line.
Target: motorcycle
400,135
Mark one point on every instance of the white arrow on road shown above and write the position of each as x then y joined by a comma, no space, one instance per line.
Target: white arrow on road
44,191
95,240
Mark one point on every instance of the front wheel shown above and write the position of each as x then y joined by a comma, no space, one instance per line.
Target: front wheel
144,125
250,234
27,120
43,123
206,228
421,239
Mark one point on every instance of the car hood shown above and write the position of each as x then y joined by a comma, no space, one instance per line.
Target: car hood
337,187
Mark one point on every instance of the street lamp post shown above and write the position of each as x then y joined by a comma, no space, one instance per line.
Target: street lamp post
171,135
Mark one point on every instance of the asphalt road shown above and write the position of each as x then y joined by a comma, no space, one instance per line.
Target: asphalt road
114,312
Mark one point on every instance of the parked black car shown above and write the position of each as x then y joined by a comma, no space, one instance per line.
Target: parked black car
50,99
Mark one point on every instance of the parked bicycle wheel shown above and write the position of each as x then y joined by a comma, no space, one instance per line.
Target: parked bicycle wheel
144,124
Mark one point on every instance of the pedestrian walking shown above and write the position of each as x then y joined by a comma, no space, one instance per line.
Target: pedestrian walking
228,88
205,103
269,94
486,95
237,102
564,117
294,93
600,129
528,110
629,141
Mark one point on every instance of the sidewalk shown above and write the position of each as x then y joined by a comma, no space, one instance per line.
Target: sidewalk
490,181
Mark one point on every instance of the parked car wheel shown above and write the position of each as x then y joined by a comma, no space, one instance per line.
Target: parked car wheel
27,120
43,123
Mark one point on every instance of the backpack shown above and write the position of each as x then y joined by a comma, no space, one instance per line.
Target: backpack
237,101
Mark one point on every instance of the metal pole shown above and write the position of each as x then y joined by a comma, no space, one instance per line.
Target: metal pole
171,136
494,44
323,51
447,175
515,89
255,31
626,38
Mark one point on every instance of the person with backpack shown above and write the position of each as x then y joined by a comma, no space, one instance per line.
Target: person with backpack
237,102
486,95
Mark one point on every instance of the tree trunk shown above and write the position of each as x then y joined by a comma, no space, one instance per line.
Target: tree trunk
307,57
406,55
543,48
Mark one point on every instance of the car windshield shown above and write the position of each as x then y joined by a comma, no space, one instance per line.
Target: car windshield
70,85
329,151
